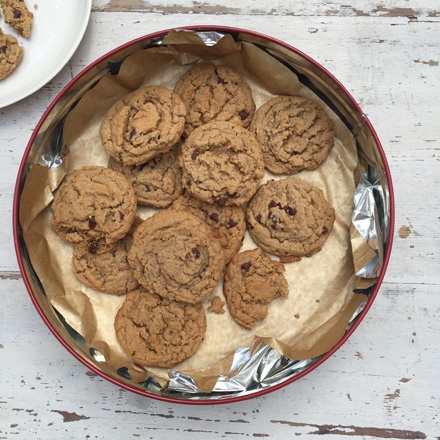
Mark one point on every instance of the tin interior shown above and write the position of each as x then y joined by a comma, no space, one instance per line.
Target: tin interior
47,143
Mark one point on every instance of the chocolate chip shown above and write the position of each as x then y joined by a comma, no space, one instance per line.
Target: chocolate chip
243,115
71,230
232,223
132,133
3,49
121,215
194,155
196,253
272,204
221,80
324,230
221,201
93,247
17,13
246,266
258,218
92,222
147,188
290,210
214,217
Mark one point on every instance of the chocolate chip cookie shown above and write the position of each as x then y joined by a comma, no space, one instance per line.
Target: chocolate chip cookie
290,218
221,164
175,255
11,53
227,223
157,332
18,16
107,272
215,93
143,124
158,182
294,134
94,206
252,281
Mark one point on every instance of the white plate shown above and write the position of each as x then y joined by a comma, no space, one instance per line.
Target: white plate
57,30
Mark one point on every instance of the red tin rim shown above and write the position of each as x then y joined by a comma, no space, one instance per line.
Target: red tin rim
324,357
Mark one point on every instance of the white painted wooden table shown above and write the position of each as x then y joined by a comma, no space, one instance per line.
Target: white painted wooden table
384,382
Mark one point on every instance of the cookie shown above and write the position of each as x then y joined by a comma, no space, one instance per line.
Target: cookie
290,218
11,54
221,164
294,134
175,255
107,272
215,93
143,124
18,16
227,223
94,206
157,332
157,183
252,281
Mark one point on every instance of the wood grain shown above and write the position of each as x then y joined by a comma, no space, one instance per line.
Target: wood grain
383,383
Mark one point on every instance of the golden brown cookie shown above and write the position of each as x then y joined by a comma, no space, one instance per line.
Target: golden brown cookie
221,164
18,16
289,218
94,206
175,255
294,134
143,124
227,223
157,332
252,281
158,182
215,93
11,53
107,272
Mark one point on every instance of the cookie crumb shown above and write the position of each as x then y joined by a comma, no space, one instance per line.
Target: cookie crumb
35,5
217,306
317,300
297,315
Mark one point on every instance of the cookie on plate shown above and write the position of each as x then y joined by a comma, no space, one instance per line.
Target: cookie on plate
18,16
11,53
227,223
94,206
215,93
290,218
175,255
221,164
157,183
294,134
252,281
107,272
157,332
143,124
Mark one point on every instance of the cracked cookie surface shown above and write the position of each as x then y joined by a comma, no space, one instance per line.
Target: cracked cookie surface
157,332
294,134
94,206
289,218
215,93
227,223
158,182
221,164
252,281
143,124
18,16
175,255
11,53
107,272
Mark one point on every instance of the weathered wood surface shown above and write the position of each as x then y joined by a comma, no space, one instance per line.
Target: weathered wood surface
384,382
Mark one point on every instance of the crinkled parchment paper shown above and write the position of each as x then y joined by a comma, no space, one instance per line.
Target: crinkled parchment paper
321,300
